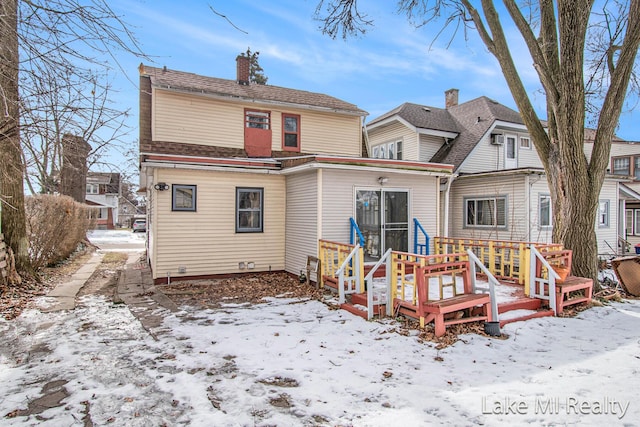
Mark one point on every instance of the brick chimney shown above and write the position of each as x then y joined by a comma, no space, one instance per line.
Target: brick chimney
450,98
242,63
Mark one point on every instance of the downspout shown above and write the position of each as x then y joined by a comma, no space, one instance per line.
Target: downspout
447,191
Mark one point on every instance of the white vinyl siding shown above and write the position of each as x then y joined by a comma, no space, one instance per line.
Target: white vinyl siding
338,200
193,119
608,235
205,242
487,157
392,133
302,220
512,188
429,145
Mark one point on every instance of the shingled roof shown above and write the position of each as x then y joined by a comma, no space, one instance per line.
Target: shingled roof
189,82
422,117
470,120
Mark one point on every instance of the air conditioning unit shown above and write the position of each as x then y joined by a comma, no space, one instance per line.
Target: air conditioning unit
497,139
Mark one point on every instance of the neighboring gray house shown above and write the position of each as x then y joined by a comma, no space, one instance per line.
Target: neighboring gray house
499,188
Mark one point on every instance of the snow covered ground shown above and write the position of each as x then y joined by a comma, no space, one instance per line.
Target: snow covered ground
117,240
293,363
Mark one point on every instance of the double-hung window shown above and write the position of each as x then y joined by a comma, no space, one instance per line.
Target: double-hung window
544,210
249,210
603,214
290,132
484,212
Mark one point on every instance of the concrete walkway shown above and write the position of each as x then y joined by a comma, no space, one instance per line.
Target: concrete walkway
145,301
65,293
135,288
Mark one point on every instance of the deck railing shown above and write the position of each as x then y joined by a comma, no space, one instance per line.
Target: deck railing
403,283
368,280
542,284
505,259
418,232
342,258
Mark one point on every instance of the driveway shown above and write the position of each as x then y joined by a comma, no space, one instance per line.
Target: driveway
118,240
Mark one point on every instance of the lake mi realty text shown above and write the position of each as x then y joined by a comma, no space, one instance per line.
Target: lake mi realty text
554,406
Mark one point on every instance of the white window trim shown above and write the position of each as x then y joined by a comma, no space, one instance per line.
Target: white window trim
540,197
527,147
495,226
607,214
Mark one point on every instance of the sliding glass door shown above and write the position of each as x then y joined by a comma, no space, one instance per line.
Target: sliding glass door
383,218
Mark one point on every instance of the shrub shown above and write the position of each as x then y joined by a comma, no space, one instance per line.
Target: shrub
56,225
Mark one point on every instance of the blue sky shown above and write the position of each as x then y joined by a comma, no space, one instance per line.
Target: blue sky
392,64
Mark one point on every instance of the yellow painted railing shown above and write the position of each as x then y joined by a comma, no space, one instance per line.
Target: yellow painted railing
505,259
403,267
332,255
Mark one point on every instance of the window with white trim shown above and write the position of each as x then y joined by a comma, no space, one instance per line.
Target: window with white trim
525,142
389,150
249,210
603,214
482,212
544,210
633,222
93,188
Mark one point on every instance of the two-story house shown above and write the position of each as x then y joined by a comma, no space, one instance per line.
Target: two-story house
242,177
103,194
624,162
499,188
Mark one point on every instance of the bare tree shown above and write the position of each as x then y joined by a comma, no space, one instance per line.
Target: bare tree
584,58
50,46
53,108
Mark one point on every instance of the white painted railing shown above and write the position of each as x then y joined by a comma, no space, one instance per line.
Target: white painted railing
386,258
352,282
490,278
537,288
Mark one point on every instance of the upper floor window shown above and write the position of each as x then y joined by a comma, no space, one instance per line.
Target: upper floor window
93,189
486,212
636,167
290,132
257,119
525,142
184,198
621,166
390,150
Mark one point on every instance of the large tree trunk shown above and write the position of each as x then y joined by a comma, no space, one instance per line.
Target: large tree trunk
11,166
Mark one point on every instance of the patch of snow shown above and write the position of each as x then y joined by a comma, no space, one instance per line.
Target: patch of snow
210,368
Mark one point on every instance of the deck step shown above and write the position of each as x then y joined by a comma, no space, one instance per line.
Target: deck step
353,309
361,300
525,315
520,304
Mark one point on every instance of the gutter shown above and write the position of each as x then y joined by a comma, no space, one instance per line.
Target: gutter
447,191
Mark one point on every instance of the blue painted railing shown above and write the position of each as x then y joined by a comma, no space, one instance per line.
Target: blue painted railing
418,231
355,230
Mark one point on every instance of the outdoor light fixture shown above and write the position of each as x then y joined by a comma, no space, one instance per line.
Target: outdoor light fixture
383,180
161,186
